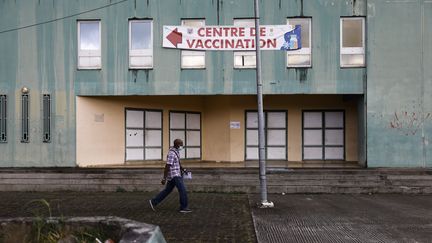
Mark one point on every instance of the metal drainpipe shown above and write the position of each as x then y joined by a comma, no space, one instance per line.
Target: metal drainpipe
261,136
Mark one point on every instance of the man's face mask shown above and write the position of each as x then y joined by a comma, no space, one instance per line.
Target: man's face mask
180,148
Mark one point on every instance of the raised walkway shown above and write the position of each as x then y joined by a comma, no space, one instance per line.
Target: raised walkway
245,180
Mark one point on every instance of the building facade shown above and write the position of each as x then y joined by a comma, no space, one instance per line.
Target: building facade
88,83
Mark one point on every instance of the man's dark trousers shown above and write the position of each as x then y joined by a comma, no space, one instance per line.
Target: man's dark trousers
174,182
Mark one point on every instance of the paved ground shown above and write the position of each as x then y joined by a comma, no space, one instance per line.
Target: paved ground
215,217
345,218
231,217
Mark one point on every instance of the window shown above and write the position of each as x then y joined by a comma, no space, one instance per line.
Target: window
323,135
302,57
143,135
187,127
352,42
46,118
89,44
193,59
24,118
140,44
276,135
3,119
244,59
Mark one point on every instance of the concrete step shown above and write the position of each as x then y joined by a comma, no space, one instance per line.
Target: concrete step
279,180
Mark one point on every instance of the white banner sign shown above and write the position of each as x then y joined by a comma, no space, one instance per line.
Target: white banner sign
225,38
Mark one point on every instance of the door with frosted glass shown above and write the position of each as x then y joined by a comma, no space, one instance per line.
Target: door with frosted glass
143,135
275,129
187,127
323,135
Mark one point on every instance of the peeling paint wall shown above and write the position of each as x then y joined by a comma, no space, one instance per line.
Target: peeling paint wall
43,58
399,83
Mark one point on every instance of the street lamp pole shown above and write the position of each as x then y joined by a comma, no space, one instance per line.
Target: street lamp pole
261,136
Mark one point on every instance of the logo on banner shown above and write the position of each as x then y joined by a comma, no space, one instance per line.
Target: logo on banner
271,37
292,39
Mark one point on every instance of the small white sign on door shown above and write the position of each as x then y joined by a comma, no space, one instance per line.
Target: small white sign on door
235,125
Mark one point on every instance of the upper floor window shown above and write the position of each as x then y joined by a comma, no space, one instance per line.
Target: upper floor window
244,59
303,56
193,59
89,44
140,44
352,42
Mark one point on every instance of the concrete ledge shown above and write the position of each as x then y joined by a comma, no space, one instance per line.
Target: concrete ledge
126,230
221,180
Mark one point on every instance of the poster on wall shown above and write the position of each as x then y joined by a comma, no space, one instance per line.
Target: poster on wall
232,38
235,125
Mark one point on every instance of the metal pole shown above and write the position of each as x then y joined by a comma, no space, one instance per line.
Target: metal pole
261,136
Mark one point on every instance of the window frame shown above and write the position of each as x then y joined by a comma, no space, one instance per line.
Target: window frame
243,54
46,118
303,50
89,53
3,118
25,118
185,143
352,50
266,128
141,53
191,52
144,129
323,129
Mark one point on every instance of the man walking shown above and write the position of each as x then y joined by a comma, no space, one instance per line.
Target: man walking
173,178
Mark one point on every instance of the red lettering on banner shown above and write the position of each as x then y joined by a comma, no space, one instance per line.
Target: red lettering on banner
241,31
214,44
262,31
190,43
224,32
271,43
199,44
234,32
207,44
217,32
247,42
200,30
226,29
229,43
239,44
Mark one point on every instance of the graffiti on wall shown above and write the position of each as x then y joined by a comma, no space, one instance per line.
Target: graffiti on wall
409,122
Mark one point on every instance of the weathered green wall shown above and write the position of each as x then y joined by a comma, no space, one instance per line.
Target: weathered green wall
399,83
58,40
44,58
38,59
219,77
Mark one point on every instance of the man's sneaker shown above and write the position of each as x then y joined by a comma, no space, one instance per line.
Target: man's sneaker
151,205
186,210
